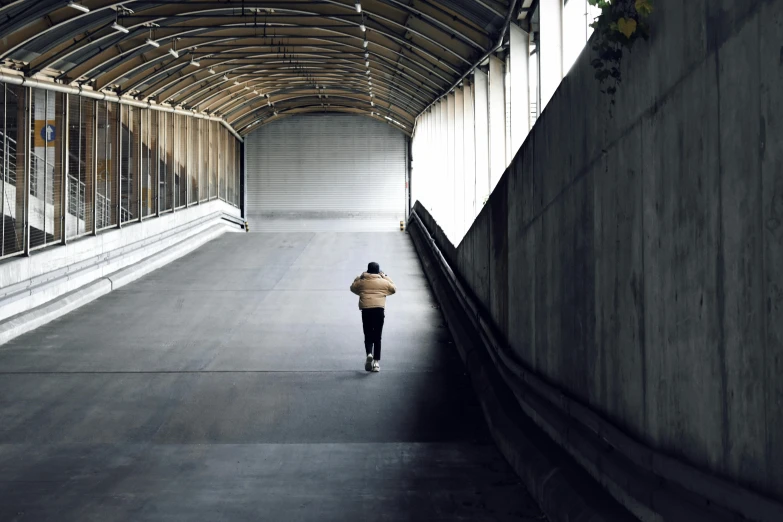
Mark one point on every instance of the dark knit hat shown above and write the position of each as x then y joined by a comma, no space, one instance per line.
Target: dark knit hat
373,268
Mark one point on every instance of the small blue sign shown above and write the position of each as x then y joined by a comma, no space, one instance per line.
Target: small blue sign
48,133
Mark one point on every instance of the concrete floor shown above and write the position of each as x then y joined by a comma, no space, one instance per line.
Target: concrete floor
229,385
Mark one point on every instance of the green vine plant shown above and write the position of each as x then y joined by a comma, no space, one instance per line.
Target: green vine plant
619,25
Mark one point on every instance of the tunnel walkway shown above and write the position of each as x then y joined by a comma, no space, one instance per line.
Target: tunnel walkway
229,385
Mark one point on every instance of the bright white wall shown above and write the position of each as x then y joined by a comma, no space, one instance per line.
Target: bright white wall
463,144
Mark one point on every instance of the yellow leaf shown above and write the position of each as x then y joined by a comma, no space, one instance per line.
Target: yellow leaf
627,27
643,7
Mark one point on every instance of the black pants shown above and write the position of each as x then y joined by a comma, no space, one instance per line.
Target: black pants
372,322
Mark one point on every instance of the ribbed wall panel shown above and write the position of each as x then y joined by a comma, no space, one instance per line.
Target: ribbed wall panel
332,171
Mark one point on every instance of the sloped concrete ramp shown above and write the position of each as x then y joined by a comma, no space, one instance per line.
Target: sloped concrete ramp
229,385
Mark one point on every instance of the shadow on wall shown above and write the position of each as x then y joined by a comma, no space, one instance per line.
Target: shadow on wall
634,261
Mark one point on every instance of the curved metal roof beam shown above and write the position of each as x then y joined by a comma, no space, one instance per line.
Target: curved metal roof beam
140,30
430,21
358,96
356,86
226,94
216,79
390,38
228,100
314,108
380,75
230,90
146,65
204,80
390,64
362,102
335,34
252,126
309,91
347,19
456,32
31,13
154,90
210,55
94,62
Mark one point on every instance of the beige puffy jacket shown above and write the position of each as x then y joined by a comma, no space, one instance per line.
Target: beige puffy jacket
372,290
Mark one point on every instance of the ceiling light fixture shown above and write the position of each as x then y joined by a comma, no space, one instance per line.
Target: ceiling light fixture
152,42
173,52
225,77
366,54
358,7
211,70
80,7
195,62
365,43
363,27
367,63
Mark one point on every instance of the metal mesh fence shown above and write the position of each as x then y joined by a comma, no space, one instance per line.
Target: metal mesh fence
129,163
46,167
221,164
13,172
193,163
203,126
79,203
182,160
213,161
71,166
147,162
167,187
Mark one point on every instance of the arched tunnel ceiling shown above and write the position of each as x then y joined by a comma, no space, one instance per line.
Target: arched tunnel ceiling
251,62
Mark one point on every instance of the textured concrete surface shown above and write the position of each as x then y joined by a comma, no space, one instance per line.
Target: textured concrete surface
229,385
642,271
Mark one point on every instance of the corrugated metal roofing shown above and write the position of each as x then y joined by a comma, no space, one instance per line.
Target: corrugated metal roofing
252,62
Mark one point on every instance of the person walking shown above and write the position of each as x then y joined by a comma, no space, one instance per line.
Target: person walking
372,287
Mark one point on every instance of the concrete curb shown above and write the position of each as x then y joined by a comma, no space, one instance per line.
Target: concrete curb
564,492
31,319
650,484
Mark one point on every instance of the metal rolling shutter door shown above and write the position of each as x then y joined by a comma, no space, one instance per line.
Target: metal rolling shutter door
326,171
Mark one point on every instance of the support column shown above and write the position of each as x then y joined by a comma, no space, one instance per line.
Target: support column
63,125
117,160
185,161
26,147
469,159
156,171
520,93
442,151
92,184
459,165
481,113
141,139
448,187
497,122
551,51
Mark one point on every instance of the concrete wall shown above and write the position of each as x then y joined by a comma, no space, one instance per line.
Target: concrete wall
636,261
29,282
